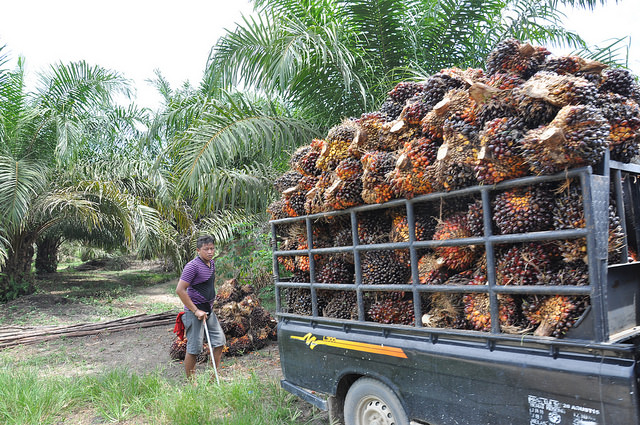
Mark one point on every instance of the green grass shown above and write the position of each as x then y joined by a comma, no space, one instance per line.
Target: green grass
26,397
49,383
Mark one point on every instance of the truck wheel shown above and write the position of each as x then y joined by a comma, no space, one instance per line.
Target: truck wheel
370,402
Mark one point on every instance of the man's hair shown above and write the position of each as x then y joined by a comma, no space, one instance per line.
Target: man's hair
204,240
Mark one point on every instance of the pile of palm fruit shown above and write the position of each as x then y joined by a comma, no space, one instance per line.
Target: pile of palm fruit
246,324
528,113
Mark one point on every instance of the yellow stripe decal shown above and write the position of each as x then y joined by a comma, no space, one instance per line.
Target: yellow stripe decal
312,341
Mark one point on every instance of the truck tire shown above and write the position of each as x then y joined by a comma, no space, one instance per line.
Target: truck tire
370,402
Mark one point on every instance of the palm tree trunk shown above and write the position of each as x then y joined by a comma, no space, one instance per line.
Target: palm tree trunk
47,256
15,279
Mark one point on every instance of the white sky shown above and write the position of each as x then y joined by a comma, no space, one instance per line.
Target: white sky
613,21
135,37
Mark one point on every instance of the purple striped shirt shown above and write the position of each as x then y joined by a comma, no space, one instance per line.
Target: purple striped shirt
195,272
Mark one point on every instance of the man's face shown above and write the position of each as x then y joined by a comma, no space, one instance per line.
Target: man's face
206,252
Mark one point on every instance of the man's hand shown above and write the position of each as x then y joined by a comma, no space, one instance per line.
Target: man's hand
201,315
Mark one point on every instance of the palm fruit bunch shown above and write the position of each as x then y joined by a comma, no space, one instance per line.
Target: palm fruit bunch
617,80
307,183
533,111
342,305
398,97
376,184
560,90
477,308
454,257
240,314
391,109
455,101
446,309
236,326
505,81
475,218
349,168
568,213
367,138
453,168
260,318
333,151
436,86
424,226
553,315
346,189
335,270
228,292
341,234
408,179
315,201
430,272
576,136
454,164
302,261
575,274
343,194
383,268
178,349
306,158
493,102
574,65
276,210
513,57
293,202
298,301
346,131
287,180
391,310
623,116
395,134
523,209
238,346
405,90
373,227
528,263
433,90
289,244
499,157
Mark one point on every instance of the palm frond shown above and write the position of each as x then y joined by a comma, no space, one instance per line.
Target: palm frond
249,187
4,247
276,51
614,52
234,130
77,87
20,183
223,224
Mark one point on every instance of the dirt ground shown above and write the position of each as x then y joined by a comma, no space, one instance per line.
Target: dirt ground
141,351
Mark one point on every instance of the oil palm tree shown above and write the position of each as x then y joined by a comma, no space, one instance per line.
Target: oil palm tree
305,65
336,58
48,141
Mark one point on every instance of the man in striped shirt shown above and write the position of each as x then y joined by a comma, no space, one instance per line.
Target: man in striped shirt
197,292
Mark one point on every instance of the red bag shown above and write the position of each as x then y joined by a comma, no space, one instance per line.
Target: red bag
178,329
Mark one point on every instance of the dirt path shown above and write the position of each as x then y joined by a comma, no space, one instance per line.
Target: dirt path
67,298
140,351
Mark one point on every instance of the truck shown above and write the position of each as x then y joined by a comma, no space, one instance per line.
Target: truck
370,372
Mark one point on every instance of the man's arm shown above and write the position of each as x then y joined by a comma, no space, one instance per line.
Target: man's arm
181,290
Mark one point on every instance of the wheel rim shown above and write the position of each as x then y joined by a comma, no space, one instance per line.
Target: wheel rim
373,411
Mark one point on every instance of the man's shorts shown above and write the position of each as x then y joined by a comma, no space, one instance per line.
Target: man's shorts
195,332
